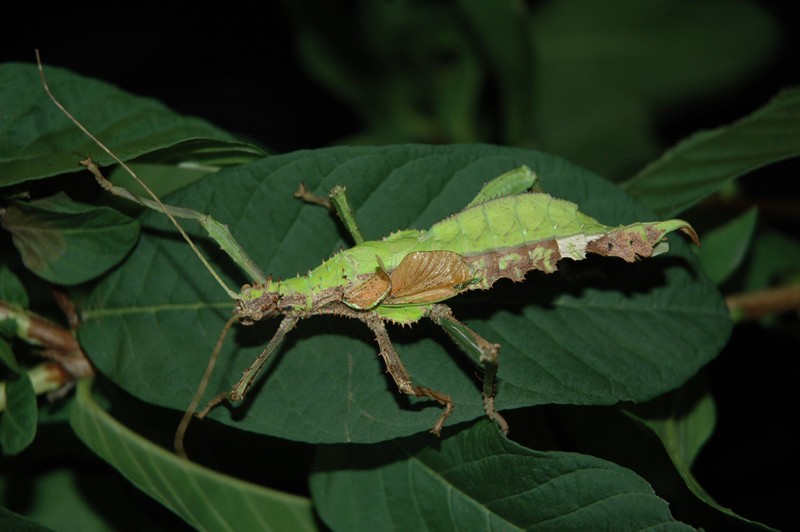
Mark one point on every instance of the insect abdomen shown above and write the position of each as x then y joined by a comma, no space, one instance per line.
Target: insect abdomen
510,236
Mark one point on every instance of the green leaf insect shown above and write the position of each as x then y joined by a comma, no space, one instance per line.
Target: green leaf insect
407,275
506,231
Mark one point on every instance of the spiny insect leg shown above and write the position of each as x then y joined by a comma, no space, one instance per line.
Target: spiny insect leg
238,392
399,373
478,347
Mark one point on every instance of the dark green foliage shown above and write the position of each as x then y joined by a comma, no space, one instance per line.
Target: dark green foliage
573,78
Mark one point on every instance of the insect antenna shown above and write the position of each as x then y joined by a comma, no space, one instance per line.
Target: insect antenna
117,191
201,388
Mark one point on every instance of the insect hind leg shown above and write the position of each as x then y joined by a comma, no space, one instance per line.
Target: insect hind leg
400,375
479,348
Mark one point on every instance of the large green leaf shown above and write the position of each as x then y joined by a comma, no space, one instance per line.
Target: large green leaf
703,163
204,498
37,140
597,332
479,480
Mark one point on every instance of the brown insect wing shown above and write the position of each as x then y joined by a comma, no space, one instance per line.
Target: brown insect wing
427,277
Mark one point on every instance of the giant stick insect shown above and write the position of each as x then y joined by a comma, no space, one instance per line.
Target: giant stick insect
506,231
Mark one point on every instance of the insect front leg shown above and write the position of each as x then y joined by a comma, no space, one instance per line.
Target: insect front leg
399,373
479,348
238,392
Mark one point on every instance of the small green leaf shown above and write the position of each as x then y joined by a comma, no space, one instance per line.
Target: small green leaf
160,178
171,168
205,499
774,259
725,248
11,288
479,480
66,242
7,356
37,140
8,326
18,420
706,161
684,422
202,153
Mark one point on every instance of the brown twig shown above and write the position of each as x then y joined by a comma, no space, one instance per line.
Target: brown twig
752,305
